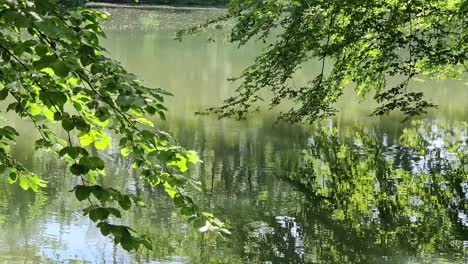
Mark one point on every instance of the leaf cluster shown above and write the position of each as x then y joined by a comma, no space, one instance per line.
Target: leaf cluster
363,43
54,72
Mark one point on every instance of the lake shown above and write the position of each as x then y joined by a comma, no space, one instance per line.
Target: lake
353,189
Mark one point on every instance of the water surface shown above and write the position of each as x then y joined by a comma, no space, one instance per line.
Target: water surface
355,189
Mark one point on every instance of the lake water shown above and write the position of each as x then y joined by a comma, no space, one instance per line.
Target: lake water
355,189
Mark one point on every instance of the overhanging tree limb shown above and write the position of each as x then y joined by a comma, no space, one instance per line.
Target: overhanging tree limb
370,41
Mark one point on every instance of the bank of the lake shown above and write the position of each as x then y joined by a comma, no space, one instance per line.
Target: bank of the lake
160,5
101,5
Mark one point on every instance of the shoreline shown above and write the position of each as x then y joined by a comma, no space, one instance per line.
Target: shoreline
152,7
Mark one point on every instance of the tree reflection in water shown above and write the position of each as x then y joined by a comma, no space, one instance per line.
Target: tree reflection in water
368,196
356,195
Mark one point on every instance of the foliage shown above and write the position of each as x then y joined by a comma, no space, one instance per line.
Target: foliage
358,42
54,72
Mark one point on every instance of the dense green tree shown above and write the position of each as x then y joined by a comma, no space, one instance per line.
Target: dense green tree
357,43
53,72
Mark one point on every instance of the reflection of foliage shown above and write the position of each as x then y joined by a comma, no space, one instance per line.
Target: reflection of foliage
270,220
409,195
149,22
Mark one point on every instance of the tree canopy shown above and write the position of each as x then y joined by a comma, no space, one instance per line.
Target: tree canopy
357,43
54,72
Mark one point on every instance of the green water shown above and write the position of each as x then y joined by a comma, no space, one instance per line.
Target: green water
355,189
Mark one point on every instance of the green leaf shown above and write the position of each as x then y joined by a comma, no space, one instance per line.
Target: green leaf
105,228
12,106
169,190
162,115
41,49
99,213
114,212
61,68
103,141
8,132
3,94
13,177
78,105
125,202
101,194
57,116
49,71
81,124
68,124
34,109
45,61
43,143
85,139
147,244
180,162
24,184
123,141
92,163
124,101
82,192
165,156
125,152
73,152
3,168
79,169
53,98
145,121
129,244
192,157
48,114
96,68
